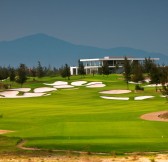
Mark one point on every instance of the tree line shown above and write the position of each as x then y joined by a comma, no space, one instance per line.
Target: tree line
137,72
21,73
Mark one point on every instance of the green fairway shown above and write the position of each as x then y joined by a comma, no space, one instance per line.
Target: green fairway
79,119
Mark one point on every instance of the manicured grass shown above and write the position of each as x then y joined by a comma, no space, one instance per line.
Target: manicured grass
80,120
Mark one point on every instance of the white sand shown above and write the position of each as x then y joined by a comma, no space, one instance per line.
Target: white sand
32,95
9,94
115,92
93,83
115,98
13,94
162,96
143,97
78,83
134,82
63,86
57,83
44,89
147,80
26,95
21,89
153,85
70,88
96,85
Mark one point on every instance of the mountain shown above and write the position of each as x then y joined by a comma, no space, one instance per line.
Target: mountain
55,52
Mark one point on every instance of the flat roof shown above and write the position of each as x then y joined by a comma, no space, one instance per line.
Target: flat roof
116,58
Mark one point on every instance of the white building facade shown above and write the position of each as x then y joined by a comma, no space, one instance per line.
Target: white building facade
94,65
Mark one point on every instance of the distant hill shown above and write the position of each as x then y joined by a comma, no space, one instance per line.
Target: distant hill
55,52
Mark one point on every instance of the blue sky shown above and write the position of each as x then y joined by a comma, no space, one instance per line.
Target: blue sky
140,24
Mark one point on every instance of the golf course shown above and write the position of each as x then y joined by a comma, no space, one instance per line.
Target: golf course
81,118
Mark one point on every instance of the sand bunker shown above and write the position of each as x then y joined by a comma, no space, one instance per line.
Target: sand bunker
134,82
68,89
154,116
5,131
32,95
8,94
147,80
14,94
153,85
78,83
44,89
115,92
115,98
143,97
63,86
93,83
21,89
57,83
96,86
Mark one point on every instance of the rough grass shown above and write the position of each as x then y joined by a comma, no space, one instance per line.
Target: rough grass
80,120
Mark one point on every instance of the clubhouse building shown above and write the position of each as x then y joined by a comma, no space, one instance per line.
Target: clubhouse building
115,64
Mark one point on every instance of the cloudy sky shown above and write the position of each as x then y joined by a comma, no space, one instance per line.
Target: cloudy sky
140,24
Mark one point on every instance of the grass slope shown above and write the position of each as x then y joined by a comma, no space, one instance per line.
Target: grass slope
80,120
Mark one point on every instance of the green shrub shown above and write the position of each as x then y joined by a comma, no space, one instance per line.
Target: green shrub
20,93
4,86
138,87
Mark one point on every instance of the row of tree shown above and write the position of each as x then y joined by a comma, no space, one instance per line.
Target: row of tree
134,71
21,73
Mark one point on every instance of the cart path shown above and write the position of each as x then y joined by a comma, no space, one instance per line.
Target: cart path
21,144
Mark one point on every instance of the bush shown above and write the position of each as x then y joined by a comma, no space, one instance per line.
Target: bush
138,87
4,86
